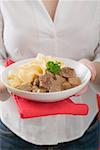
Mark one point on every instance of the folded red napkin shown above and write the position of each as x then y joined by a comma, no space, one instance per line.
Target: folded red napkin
30,109
8,62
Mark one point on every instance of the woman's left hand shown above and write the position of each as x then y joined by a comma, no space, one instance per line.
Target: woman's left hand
90,65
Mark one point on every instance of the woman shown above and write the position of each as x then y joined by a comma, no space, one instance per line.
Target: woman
60,28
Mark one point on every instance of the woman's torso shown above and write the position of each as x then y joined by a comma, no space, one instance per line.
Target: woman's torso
72,34
28,29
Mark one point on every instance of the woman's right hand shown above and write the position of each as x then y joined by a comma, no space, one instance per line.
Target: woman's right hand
4,95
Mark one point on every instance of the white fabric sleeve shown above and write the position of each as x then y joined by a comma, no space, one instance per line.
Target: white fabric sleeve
97,50
97,53
96,86
3,53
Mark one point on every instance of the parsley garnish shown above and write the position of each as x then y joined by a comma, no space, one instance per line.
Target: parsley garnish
53,67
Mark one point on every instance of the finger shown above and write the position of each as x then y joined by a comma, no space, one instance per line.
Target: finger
92,70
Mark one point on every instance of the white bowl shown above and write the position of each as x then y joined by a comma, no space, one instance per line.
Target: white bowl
82,71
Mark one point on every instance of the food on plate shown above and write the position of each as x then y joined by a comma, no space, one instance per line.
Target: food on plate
74,81
26,87
67,72
43,74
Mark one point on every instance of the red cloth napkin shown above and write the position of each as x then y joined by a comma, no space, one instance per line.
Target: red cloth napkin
8,62
30,109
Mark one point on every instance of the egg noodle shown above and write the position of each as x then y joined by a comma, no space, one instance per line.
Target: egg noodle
26,73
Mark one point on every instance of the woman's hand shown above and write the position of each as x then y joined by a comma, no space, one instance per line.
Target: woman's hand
4,95
90,65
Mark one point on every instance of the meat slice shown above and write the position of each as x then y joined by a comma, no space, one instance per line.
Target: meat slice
74,81
57,84
46,81
66,85
50,73
25,87
67,72
55,87
60,79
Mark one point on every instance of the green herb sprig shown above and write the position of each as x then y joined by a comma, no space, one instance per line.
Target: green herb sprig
53,67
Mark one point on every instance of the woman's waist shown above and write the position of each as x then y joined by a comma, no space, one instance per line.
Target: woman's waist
10,109
46,127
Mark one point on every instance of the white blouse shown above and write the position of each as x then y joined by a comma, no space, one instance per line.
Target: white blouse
26,29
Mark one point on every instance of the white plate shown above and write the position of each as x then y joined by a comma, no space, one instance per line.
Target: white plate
82,71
